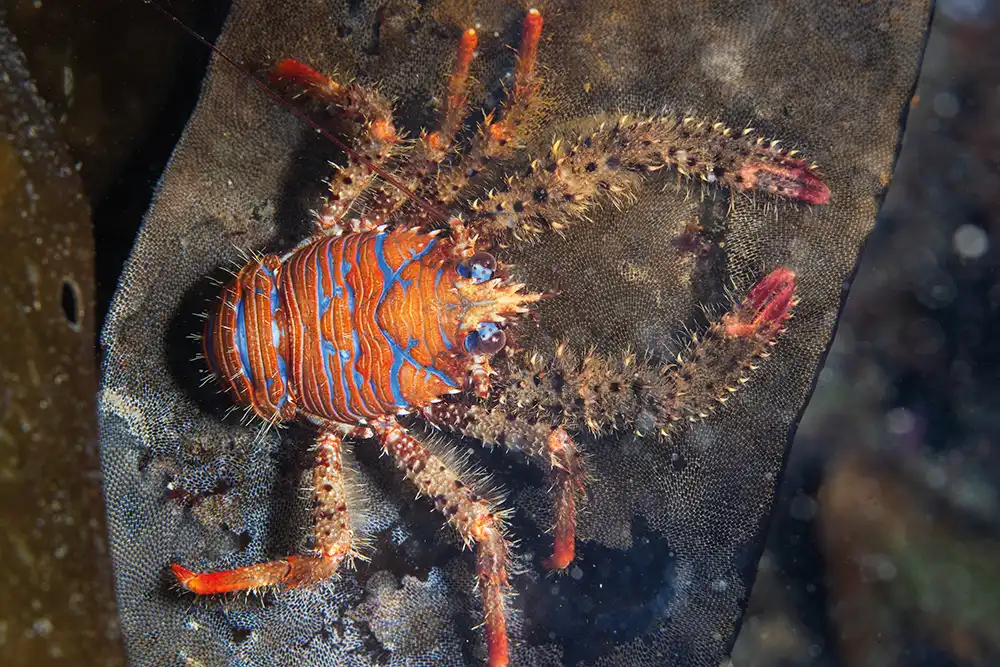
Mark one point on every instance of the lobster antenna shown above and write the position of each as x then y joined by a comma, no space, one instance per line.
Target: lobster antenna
274,95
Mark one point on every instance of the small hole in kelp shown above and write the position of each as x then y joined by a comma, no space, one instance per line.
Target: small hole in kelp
70,299
240,635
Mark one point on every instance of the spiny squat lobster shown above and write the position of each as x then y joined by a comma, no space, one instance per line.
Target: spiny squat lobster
372,317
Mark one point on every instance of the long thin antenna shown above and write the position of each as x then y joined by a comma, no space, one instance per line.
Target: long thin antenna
270,92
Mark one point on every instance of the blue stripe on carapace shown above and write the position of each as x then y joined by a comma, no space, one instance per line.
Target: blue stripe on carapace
325,300
283,374
351,355
356,377
399,353
444,336
276,334
240,338
324,345
328,348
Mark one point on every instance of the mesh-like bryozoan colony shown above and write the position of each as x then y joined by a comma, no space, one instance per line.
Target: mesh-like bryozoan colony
388,311
668,527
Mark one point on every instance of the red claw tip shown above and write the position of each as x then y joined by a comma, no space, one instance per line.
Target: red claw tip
789,178
779,282
183,575
527,54
290,69
562,555
765,307
496,647
811,188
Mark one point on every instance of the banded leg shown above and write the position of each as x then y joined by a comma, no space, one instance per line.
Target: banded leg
332,535
552,447
496,139
477,521
378,138
439,143
499,138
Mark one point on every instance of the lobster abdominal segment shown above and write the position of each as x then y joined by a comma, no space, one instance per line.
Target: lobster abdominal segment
243,341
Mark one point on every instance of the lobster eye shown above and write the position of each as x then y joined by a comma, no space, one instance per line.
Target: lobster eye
488,339
479,267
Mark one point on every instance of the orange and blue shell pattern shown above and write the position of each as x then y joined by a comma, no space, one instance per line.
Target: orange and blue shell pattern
358,326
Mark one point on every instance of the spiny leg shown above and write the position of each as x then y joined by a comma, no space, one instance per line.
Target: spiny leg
568,476
332,535
439,143
608,164
499,138
432,148
499,135
552,447
378,138
495,139
476,520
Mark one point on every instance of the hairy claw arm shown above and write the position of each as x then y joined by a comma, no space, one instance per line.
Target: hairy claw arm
607,165
605,394
378,139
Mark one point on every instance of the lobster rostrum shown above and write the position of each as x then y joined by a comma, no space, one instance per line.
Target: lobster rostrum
382,314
